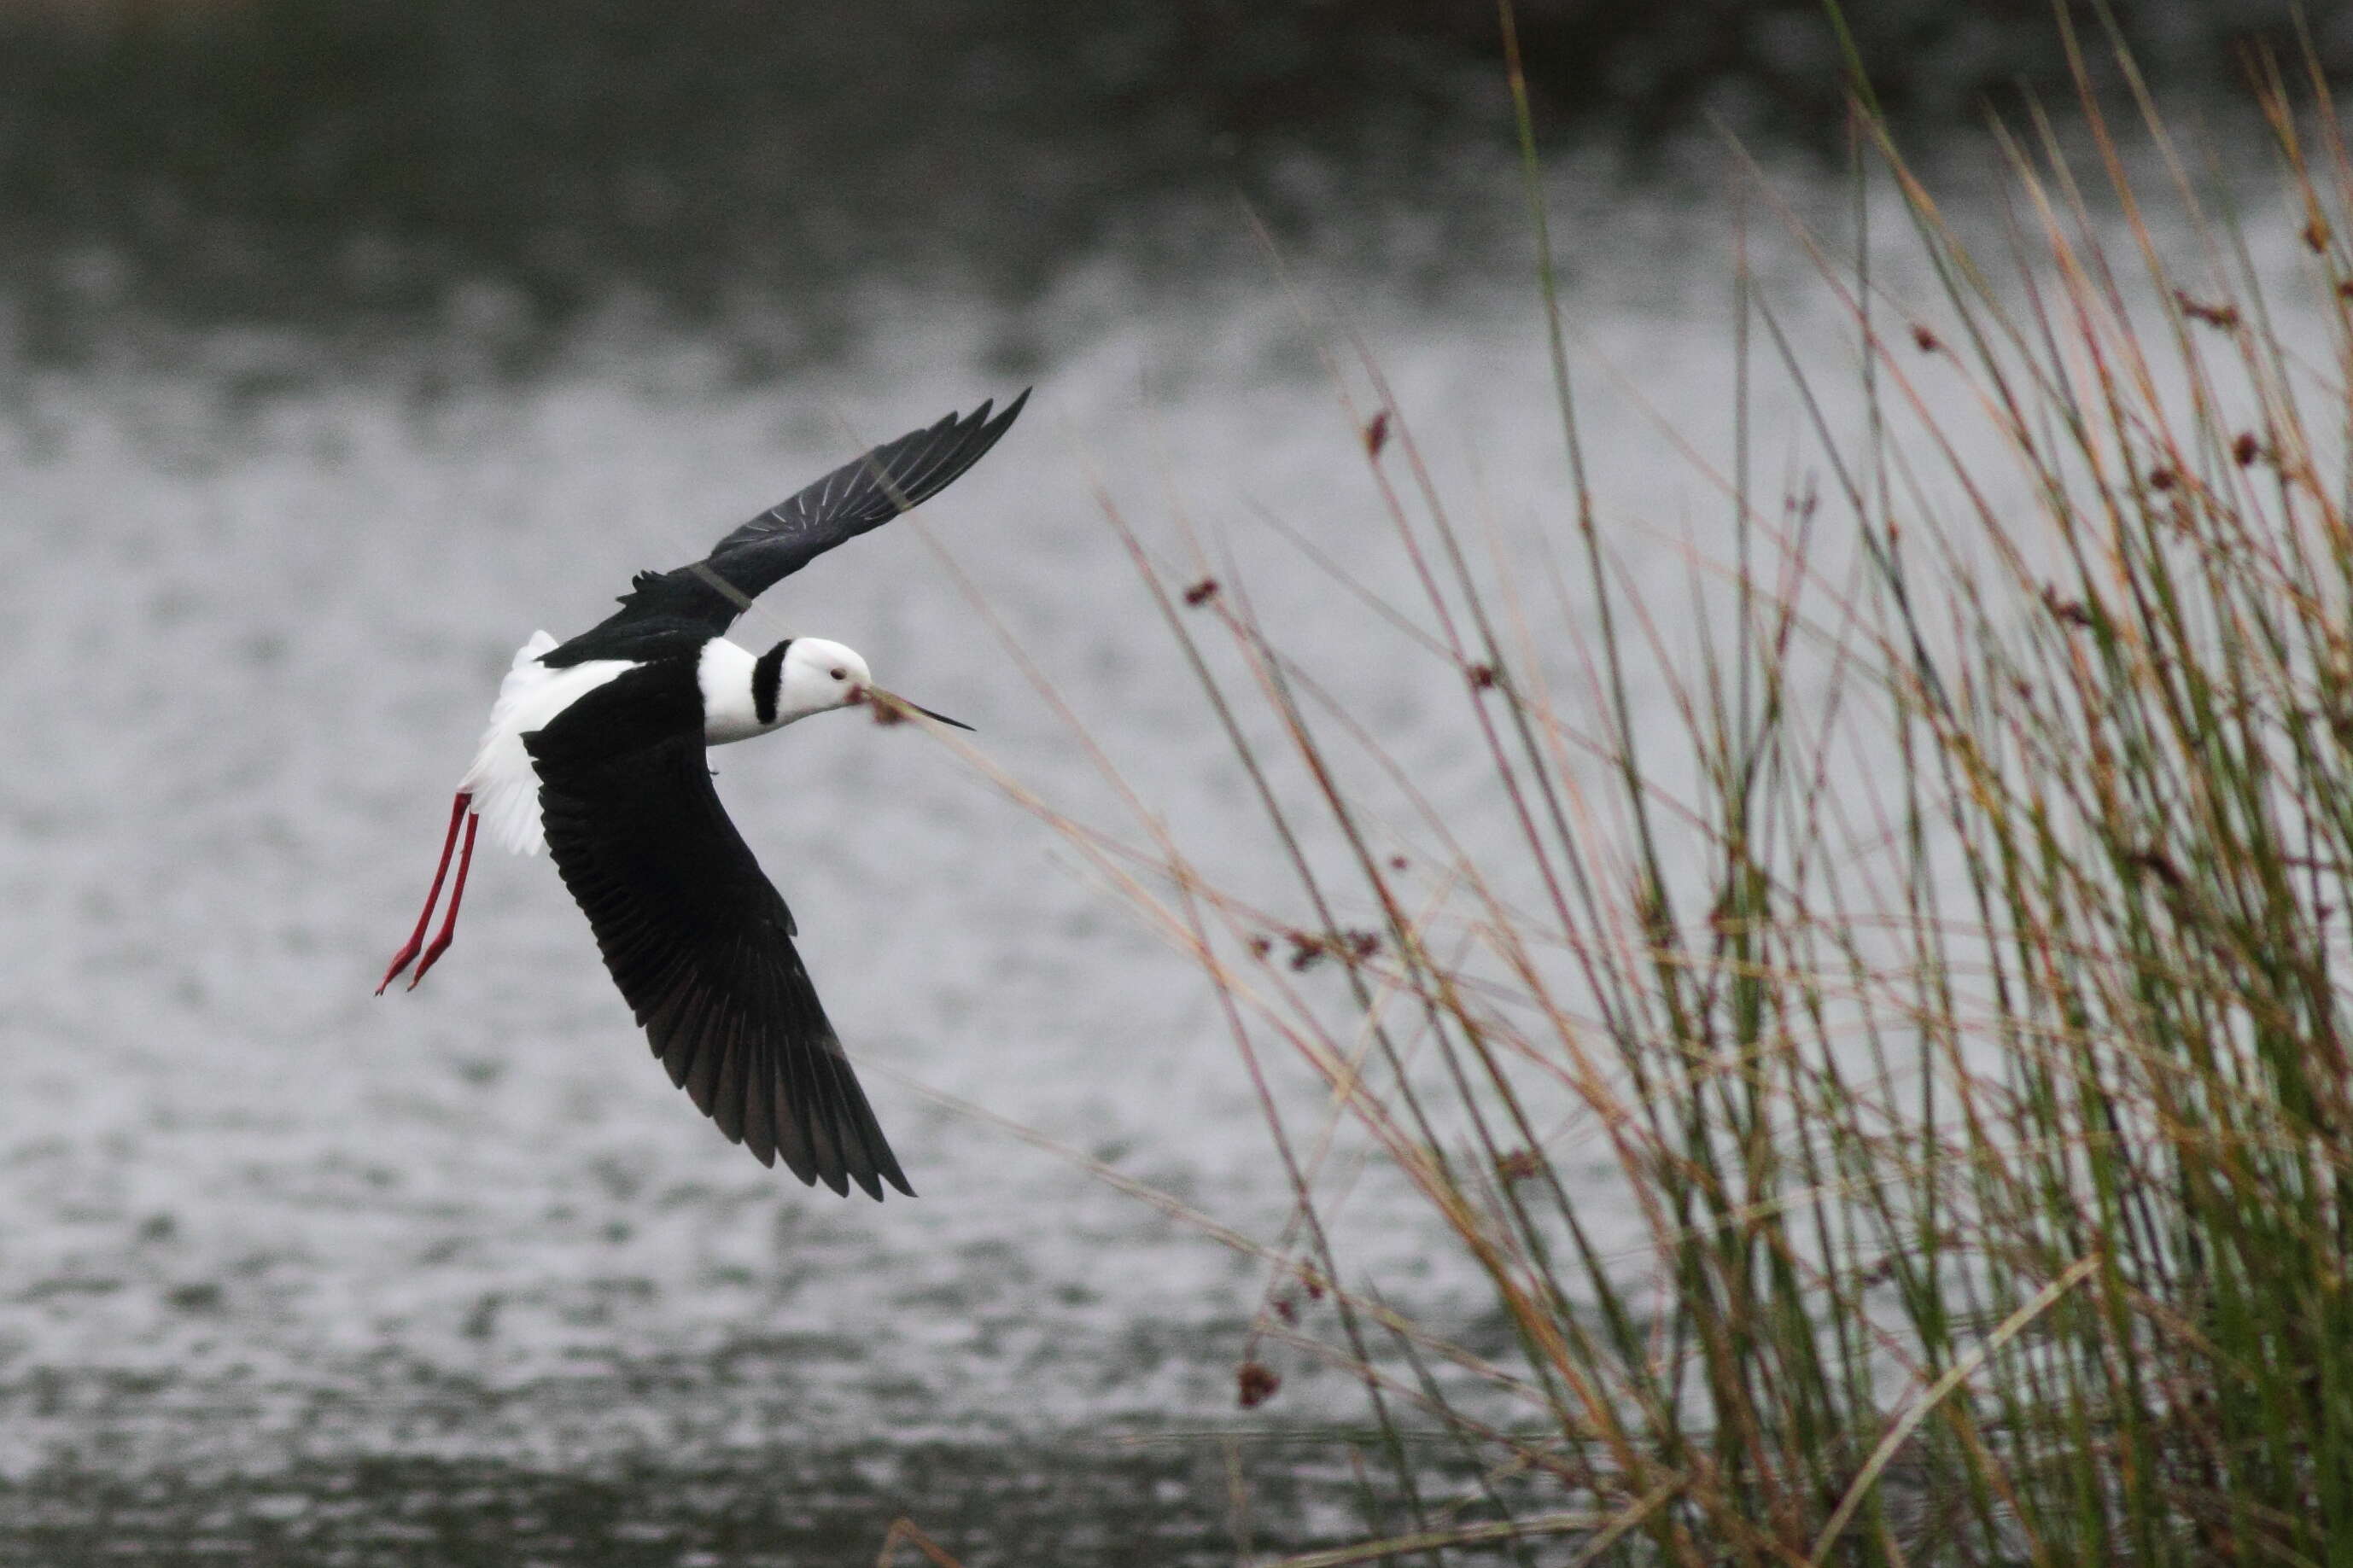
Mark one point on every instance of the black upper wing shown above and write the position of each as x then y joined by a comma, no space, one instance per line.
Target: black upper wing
704,598
863,493
697,939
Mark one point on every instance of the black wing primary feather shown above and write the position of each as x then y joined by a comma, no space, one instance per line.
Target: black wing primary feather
865,492
696,938
704,598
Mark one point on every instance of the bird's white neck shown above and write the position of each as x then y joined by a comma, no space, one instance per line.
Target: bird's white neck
729,709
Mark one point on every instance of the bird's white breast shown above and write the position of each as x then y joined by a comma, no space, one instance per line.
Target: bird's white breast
502,782
729,712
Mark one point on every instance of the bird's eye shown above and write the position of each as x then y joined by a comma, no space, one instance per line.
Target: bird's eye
841,675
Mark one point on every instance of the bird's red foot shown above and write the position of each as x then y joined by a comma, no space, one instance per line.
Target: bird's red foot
450,922
400,960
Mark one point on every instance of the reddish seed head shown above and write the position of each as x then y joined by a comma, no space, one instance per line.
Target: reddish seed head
1377,433
1518,1165
1925,340
1202,592
1256,1383
2162,478
2224,317
2246,448
1482,675
2072,611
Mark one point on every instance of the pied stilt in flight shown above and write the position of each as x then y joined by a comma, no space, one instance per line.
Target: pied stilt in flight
595,749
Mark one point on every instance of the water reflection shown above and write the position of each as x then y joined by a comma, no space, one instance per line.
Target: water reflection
1009,1503
347,165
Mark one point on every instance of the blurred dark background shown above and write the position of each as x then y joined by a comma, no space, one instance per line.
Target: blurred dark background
266,158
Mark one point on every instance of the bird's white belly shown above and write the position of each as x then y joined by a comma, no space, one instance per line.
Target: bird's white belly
504,785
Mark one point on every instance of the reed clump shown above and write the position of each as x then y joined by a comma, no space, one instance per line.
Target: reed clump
1892,1074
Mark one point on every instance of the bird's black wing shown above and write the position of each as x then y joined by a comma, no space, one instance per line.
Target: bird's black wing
697,939
862,495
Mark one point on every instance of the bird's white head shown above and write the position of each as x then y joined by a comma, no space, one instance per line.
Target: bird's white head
814,676
744,696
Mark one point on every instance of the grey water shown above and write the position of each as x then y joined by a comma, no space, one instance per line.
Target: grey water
289,1273
283,1259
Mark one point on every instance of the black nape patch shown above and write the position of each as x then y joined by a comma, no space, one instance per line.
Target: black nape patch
767,675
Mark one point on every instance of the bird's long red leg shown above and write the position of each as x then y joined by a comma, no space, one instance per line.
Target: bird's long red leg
457,894
417,938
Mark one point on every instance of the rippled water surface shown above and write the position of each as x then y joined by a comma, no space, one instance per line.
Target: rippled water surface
305,1274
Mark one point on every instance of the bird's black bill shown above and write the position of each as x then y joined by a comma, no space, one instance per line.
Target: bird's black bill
887,706
956,723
